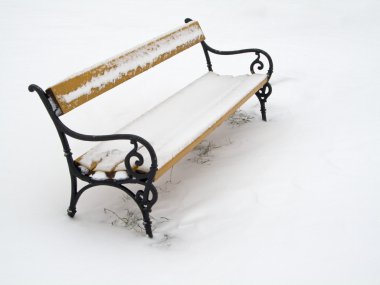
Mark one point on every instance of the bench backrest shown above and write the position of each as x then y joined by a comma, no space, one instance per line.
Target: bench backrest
84,86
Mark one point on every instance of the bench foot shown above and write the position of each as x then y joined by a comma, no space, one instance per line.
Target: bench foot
262,109
263,95
74,197
71,212
147,223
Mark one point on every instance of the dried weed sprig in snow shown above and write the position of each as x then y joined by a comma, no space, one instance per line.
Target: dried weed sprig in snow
239,118
203,152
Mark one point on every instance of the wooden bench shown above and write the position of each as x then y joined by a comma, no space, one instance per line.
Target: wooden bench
198,108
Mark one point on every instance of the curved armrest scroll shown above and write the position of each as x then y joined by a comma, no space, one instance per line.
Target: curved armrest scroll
256,65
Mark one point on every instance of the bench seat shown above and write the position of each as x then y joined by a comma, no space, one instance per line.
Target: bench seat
175,126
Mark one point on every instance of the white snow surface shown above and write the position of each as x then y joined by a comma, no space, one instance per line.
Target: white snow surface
294,200
183,117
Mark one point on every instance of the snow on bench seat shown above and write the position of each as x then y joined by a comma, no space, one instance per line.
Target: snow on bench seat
175,124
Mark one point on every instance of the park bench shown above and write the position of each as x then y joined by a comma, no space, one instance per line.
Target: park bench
139,154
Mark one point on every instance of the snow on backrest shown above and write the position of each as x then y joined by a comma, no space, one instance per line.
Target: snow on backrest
84,86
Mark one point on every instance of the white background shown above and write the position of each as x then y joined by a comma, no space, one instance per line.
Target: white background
294,200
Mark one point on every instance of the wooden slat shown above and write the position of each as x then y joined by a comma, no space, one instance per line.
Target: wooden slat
92,82
191,146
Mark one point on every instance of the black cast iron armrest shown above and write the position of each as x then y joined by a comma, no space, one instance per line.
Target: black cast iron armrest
135,140
134,153
256,65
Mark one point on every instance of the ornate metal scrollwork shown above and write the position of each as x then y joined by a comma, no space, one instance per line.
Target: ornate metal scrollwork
258,65
131,170
264,92
147,197
132,166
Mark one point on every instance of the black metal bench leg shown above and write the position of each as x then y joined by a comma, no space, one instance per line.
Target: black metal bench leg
262,109
146,199
74,199
263,95
147,222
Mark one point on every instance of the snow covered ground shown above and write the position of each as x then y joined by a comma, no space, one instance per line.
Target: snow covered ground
291,201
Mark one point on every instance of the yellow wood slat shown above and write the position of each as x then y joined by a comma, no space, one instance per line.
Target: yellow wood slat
85,86
191,146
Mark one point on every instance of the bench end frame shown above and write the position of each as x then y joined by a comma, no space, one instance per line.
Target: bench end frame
144,198
257,66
